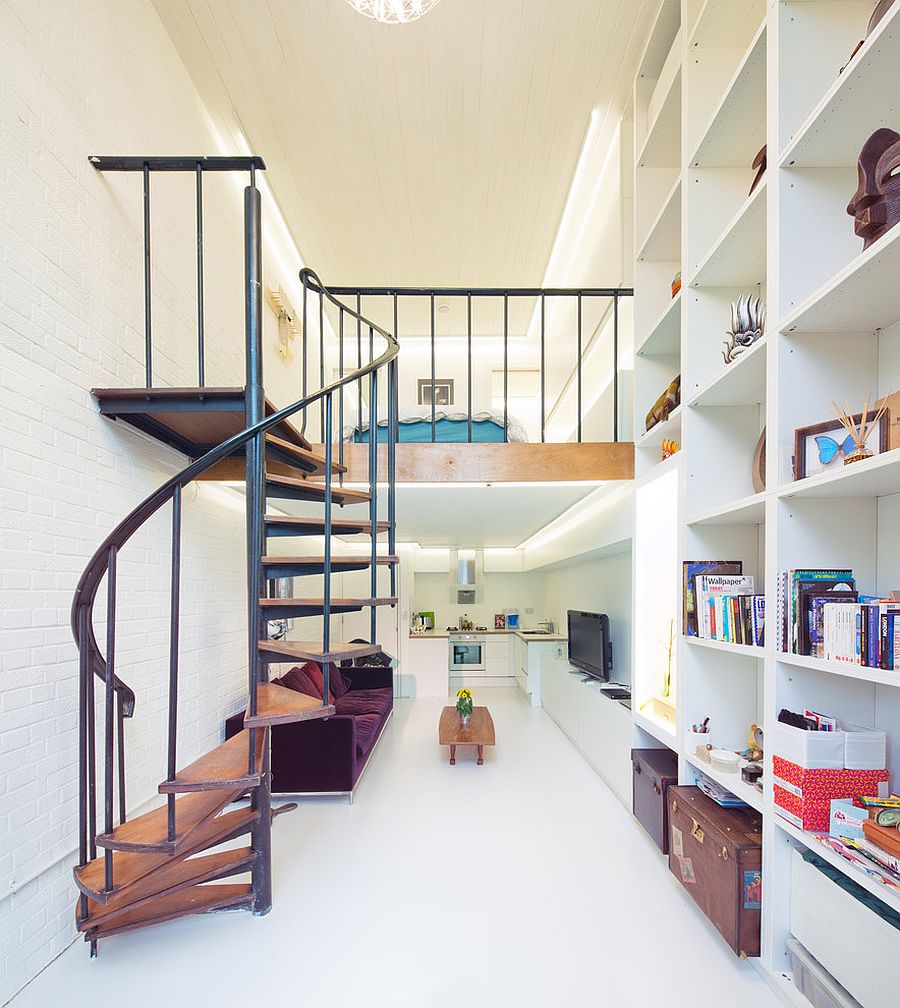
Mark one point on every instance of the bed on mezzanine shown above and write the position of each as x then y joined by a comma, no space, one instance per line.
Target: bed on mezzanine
451,426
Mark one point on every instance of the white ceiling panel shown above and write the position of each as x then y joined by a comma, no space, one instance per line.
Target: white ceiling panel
439,152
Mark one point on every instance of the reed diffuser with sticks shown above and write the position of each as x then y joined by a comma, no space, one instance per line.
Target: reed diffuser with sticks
859,431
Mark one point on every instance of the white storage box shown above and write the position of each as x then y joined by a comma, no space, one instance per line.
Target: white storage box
864,748
809,749
815,983
854,944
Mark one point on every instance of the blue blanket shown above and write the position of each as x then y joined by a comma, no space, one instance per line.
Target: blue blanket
446,432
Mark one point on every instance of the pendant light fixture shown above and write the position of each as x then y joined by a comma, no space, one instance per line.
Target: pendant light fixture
393,11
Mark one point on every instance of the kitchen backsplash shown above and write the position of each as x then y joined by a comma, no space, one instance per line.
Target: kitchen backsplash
501,592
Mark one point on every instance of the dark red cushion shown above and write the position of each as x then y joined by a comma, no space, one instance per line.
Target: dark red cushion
338,684
369,701
297,679
314,672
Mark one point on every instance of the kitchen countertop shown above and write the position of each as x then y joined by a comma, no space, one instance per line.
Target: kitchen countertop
432,634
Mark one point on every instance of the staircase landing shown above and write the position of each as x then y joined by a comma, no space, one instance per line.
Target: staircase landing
193,420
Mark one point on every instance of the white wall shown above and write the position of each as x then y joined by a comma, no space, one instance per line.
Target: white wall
76,79
601,585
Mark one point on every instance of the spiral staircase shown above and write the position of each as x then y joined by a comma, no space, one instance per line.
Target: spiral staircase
173,861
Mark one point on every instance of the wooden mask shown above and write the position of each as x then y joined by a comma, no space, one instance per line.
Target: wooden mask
876,202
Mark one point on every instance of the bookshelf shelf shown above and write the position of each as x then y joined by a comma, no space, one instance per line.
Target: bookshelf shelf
730,781
889,896
737,127
860,298
741,383
755,73
670,428
865,92
663,144
746,511
738,257
661,732
747,650
860,672
720,25
664,338
663,241
878,476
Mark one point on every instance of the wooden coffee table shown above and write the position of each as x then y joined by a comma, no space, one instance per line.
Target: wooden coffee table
479,732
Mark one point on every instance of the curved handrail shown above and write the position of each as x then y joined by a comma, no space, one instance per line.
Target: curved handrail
88,584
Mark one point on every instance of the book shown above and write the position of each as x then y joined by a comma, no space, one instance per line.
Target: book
713,613
812,640
843,632
789,584
759,620
808,591
691,569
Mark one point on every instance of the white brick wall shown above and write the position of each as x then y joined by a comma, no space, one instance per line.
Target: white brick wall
99,76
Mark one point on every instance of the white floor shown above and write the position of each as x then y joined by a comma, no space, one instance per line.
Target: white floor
520,883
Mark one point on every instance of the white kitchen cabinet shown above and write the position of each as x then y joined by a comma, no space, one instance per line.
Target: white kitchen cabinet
498,657
428,672
529,655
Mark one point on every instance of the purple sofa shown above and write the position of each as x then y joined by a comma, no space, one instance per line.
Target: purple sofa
327,756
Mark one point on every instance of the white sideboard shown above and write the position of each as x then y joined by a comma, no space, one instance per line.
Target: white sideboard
599,727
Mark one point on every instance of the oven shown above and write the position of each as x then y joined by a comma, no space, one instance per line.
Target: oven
466,653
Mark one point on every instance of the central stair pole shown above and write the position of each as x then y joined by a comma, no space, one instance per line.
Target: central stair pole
254,408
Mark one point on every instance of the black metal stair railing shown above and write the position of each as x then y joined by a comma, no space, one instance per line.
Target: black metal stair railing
602,302
104,564
119,699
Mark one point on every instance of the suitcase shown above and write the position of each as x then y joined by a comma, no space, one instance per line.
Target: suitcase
654,770
716,854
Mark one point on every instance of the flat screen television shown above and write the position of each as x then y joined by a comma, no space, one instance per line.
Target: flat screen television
590,649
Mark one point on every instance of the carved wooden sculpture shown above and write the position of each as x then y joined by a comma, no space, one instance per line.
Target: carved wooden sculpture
881,8
665,404
876,202
759,163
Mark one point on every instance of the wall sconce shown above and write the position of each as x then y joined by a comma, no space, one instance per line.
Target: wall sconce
287,323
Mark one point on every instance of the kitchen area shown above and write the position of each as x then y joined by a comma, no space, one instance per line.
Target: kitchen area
477,628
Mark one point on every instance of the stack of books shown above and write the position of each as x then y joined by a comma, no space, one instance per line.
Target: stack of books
721,603
868,837
821,614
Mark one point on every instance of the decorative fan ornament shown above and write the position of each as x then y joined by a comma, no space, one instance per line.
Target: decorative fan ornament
393,11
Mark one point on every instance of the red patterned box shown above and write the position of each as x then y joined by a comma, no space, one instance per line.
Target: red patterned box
804,794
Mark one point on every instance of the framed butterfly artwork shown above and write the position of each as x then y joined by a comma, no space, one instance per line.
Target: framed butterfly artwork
824,446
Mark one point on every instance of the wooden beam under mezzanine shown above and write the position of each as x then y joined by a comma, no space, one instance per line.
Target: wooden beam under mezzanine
497,463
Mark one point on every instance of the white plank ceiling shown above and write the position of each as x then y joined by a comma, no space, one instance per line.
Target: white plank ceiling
439,152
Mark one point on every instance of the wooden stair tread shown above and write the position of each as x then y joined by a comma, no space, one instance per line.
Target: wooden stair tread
335,559
306,490
279,705
149,832
312,651
303,458
302,565
224,766
299,525
191,419
130,867
169,878
340,603
197,899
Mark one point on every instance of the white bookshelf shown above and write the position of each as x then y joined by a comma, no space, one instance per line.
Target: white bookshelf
754,73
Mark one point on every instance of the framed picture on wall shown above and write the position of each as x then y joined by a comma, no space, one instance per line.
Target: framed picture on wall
443,391
824,446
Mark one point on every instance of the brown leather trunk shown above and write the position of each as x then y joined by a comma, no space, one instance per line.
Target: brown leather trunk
655,770
716,854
